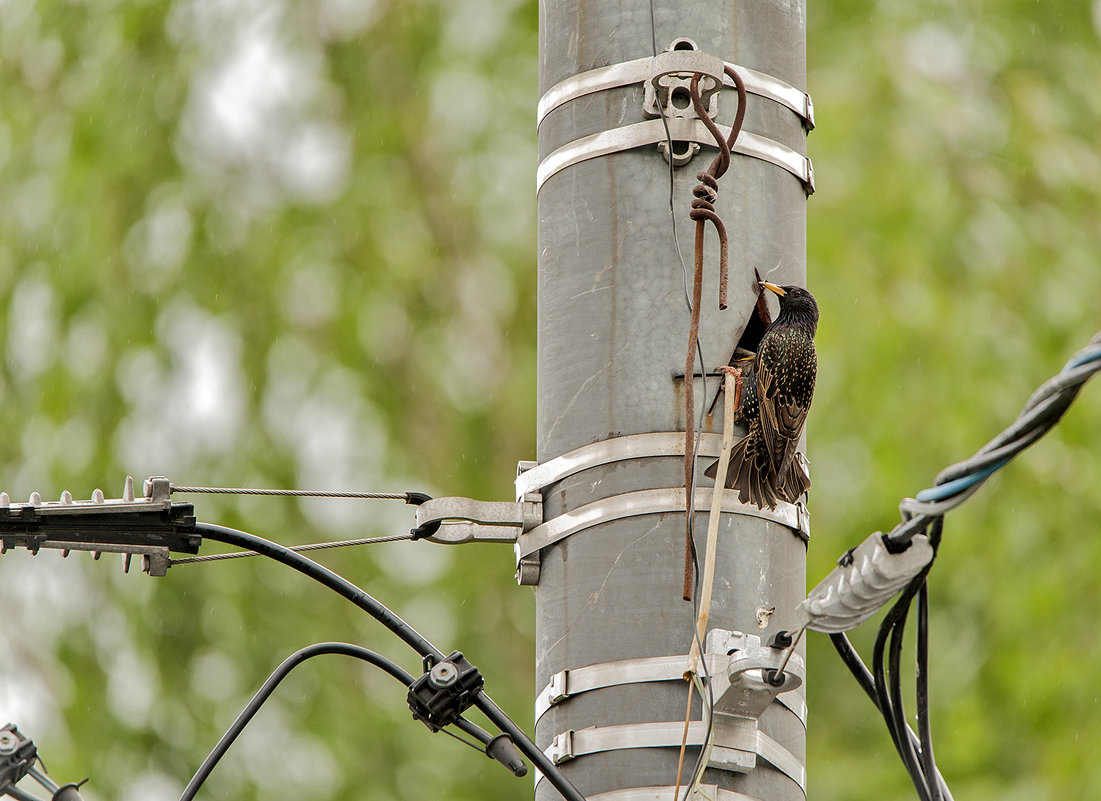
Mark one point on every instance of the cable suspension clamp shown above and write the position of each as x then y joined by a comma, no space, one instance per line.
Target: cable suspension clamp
150,526
665,80
864,580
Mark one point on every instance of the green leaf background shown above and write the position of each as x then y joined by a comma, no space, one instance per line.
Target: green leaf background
293,244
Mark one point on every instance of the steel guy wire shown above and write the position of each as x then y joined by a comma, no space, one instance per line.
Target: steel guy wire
387,496
317,546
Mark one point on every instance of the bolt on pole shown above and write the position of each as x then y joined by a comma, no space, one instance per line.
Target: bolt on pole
613,334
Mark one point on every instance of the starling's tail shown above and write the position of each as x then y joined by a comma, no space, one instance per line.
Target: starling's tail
795,482
750,472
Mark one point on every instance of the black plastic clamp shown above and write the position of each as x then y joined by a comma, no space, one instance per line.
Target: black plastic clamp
446,690
17,756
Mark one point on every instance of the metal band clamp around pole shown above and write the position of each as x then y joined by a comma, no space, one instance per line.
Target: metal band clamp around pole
653,501
569,683
728,742
703,791
607,451
651,132
641,70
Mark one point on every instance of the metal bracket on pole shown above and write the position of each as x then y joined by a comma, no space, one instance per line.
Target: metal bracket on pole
749,689
652,132
666,79
456,521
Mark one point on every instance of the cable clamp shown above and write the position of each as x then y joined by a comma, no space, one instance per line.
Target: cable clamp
446,690
17,756
864,580
561,747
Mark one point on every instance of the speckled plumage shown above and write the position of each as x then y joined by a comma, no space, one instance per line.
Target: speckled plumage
763,467
748,408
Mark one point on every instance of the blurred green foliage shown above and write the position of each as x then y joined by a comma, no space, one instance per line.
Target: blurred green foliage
279,244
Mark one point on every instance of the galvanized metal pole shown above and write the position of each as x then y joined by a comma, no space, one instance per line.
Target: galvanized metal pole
613,335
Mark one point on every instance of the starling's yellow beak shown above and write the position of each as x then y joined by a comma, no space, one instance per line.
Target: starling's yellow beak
773,288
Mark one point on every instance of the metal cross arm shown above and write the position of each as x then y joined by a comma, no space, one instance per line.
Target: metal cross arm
454,521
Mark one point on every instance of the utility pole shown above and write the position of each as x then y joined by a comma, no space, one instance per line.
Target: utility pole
608,561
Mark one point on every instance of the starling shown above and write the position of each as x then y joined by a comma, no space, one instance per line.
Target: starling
763,467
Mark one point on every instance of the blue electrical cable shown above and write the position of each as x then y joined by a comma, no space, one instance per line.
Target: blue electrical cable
1082,358
950,488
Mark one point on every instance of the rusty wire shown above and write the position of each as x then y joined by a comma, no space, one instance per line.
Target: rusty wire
703,211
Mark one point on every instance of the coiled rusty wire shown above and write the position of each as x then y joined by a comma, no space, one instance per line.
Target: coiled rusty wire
703,211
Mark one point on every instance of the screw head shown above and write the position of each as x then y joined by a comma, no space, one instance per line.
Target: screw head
8,742
443,674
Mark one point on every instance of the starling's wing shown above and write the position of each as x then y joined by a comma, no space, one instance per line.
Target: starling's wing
781,414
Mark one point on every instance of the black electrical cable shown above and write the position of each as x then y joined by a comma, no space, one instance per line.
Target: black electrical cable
921,694
855,665
903,745
907,750
403,630
19,794
915,750
864,678
268,687
336,583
